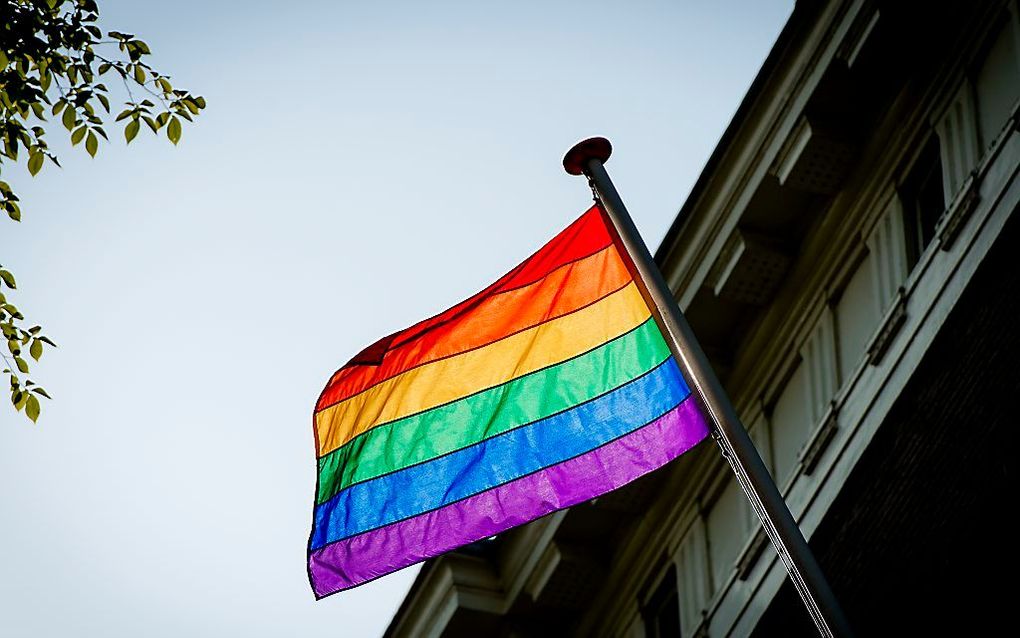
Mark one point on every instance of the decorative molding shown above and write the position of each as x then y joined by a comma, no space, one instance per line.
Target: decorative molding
959,211
814,158
858,35
565,576
752,551
819,442
748,270
891,324
543,571
522,548
477,583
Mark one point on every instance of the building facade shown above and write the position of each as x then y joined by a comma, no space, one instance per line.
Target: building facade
850,260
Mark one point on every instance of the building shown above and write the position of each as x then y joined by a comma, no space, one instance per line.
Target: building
849,259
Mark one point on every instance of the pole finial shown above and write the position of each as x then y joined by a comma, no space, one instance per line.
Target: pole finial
576,159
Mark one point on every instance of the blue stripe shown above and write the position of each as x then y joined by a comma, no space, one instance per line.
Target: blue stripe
490,463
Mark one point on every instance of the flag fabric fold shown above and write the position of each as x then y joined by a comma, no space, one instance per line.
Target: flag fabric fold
550,387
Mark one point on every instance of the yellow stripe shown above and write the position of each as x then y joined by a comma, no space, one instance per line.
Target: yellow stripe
446,380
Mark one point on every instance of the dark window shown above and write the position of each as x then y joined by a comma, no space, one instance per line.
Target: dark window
662,611
923,198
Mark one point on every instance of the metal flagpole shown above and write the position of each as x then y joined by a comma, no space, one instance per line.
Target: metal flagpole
588,157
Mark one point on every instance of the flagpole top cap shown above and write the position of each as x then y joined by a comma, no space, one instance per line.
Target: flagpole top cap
576,160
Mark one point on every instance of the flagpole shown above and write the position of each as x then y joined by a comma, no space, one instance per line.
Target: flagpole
588,157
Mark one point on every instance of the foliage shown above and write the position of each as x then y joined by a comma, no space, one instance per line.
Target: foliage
53,63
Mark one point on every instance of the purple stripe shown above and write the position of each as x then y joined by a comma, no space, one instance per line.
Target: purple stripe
362,558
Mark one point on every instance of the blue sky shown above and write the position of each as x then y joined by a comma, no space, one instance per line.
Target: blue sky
360,166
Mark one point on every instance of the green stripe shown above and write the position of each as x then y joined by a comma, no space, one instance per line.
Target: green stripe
462,423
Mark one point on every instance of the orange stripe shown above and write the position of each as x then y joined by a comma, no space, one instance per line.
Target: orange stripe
586,236
561,292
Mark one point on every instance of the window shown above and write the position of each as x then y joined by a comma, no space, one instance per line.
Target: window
857,315
995,82
923,199
662,610
887,251
801,406
729,527
791,423
695,583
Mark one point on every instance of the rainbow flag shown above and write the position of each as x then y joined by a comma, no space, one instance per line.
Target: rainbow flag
550,387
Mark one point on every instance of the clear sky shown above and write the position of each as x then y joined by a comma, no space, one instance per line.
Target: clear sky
361,165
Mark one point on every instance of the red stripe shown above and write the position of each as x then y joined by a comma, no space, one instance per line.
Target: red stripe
486,317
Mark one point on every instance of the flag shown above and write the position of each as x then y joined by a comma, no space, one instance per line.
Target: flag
550,387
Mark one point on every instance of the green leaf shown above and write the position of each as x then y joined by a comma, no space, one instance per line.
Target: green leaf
139,74
131,130
91,144
42,392
69,119
8,279
21,363
32,408
11,148
104,101
35,162
36,349
78,134
123,114
200,101
46,340
173,130
4,61
14,346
